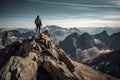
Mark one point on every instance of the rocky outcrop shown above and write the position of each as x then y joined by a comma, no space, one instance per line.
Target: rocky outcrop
18,68
37,58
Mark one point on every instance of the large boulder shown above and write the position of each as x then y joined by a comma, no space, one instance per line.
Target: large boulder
18,68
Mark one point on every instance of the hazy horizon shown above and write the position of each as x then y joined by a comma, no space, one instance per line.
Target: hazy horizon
70,13
60,26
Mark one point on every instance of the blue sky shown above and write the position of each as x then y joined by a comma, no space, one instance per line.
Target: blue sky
65,13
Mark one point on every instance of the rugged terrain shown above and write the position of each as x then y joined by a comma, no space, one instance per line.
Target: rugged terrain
59,33
37,58
108,63
83,42
98,43
7,36
112,41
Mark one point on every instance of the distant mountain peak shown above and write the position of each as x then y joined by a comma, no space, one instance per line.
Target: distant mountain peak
85,34
104,32
75,35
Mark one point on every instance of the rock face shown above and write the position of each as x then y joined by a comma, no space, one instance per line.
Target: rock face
102,41
104,37
37,58
115,41
108,63
10,36
18,68
83,42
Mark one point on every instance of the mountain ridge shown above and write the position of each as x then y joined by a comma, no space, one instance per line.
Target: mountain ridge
37,58
107,63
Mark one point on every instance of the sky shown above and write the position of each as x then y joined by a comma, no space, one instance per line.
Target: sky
64,13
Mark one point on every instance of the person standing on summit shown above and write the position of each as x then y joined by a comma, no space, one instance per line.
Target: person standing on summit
38,24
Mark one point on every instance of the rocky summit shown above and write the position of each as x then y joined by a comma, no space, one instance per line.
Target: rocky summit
37,58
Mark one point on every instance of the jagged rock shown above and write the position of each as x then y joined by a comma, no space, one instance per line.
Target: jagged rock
1,46
33,56
63,57
38,58
8,51
56,69
84,42
105,63
51,52
18,68
9,37
104,37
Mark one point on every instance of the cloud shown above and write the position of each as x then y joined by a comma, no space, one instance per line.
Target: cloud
115,2
75,4
67,22
61,12
112,17
83,22
51,2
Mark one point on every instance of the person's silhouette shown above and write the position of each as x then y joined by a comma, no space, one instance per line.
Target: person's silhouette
38,24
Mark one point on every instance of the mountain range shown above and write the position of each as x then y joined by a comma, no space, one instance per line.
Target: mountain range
58,33
83,47
100,51
7,36
85,41
96,30
37,58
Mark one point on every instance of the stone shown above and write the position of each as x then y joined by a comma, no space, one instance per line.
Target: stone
18,68
63,57
56,70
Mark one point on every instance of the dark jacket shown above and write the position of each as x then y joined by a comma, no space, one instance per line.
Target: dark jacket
38,22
